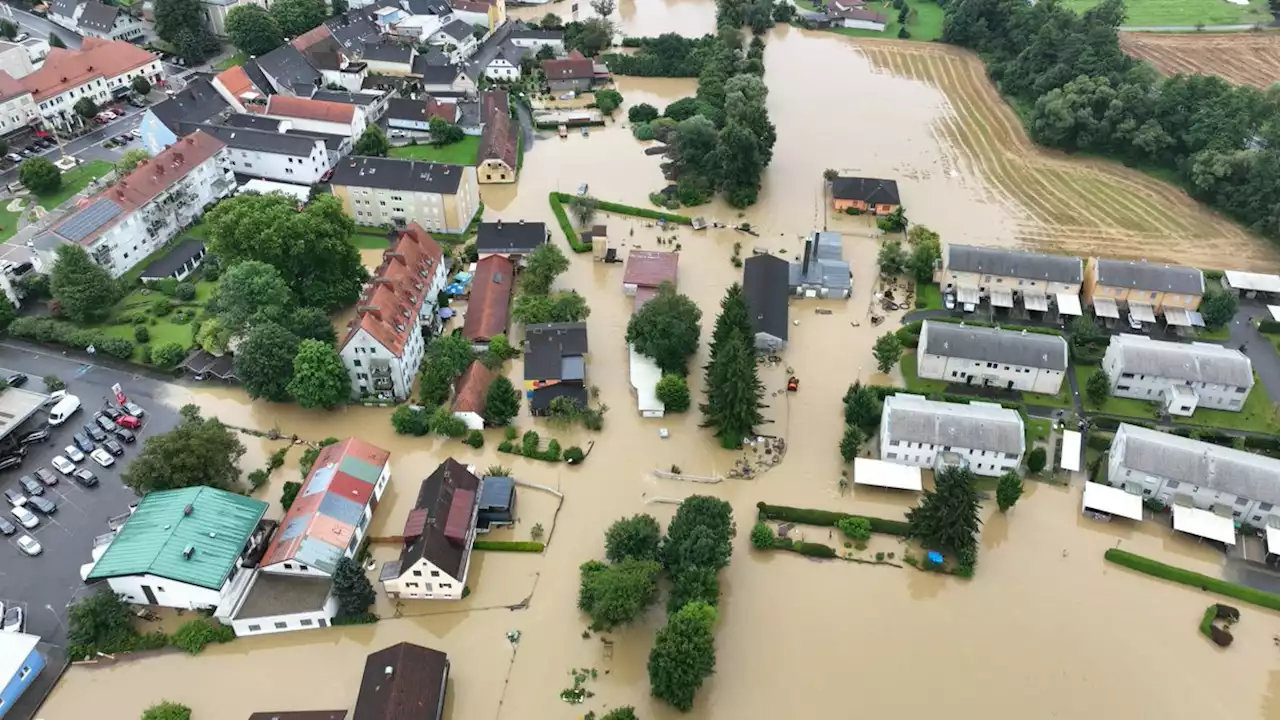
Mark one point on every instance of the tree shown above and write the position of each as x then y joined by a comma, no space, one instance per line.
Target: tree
1008,490
947,517
613,595
542,267
444,132
683,655
926,250
734,393
453,351
8,29
84,289
501,402
887,350
181,23
762,536
372,143
857,529
168,355
851,442
551,21
894,222
289,493
622,713
608,100
264,362
167,711
100,620
339,7
55,41
699,534
445,423
212,337
1098,387
253,30
197,451
479,31
309,247
642,113
141,86
892,259
40,176
319,377
130,160
411,421
583,208
249,291
673,392
309,323
667,329
681,109
434,383
638,537
1036,460
7,316
862,407
352,588
568,306
1218,308
297,16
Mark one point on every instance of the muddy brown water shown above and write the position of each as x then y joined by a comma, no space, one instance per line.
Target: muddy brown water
1046,629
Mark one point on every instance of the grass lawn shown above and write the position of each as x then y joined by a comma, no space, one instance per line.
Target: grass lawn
459,153
73,181
1125,407
370,239
1258,415
165,329
925,22
233,61
1221,334
1038,429
1185,13
928,297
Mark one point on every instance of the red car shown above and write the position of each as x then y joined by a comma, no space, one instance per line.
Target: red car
326,177
129,421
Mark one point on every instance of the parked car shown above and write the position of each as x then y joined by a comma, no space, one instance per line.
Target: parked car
30,546
13,157
14,497
16,380
74,453
34,436
43,504
949,301
15,620
82,441
102,457
22,36
85,478
137,103
327,176
125,434
137,132
129,421
31,485
105,422
7,527
46,477
10,461
111,412
62,465
1134,322
135,410
94,432
25,517
113,447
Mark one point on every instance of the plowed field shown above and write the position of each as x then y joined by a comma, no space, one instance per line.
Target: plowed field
1242,58
1068,204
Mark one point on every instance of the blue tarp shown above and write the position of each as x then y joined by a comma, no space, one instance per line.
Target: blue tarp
446,313
462,277
455,289
935,557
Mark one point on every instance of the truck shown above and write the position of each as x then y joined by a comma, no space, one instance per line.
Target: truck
64,409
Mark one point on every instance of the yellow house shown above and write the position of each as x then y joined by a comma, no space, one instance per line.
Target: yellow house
378,191
499,155
1143,289
1007,276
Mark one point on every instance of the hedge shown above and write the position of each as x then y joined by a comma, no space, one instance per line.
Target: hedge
808,516
1194,579
510,546
1269,326
59,332
817,550
570,234
558,199
979,323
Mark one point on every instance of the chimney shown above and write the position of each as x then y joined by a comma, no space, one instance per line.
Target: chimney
188,510
373,310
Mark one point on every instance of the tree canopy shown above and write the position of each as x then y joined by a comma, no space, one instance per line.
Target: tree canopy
167,710
129,161
372,143
264,361
181,23
40,176
253,30
247,292
84,289
319,378
501,402
352,588
297,16
683,655
947,517
541,269
566,306
887,351
614,595
198,451
638,537
734,391
1008,490
667,329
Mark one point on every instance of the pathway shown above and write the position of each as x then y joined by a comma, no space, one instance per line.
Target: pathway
1189,28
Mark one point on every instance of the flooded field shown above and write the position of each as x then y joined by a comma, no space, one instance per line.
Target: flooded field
1046,629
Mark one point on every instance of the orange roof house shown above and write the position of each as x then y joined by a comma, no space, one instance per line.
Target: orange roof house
390,309
489,308
97,59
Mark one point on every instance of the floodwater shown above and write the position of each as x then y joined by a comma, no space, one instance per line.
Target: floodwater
1046,629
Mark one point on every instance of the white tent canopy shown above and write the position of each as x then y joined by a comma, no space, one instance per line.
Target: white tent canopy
1112,501
645,375
1275,311
880,473
1143,312
1253,281
1002,298
1069,304
1273,540
1071,450
1039,303
968,295
1105,307
1203,523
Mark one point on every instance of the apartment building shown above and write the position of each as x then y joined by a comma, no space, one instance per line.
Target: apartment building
148,207
100,70
279,156
984,437
1182,377
991,357
1007,276
17,109
374,191
1144,290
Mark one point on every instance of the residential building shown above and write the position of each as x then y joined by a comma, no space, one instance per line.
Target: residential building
374,103
37,49
331,513
488,13
513,240
439,79
277,602
497,504
822,271
499,156
765,286
15,60
178,263
555,364
470,393
868,195
1035,279
384,342
241,89
455,39
853,15
646,271
20,664
489,306
505,64
17,110
110,22
536,38
215,15
416,115
388,58
185,548
1182,377
278,156
644,374
991,357
984,437
1144,289
574,73
65,13
100,70
438,536
374,191
317,115
403,682
197,103
287,72
142,212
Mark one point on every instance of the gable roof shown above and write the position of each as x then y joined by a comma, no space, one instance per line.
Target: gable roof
1204,464
97,58
307,109
320,525
554,351
1010,347
522,31
389,52
65,8
353,31
499,139
238,84
868,190
1015,263
973,426
311,37
403,682
393,174
435,74
1142,275
9,87
156,536
390,307
765,287
514,238
471,388
573,67
458,30
97,16
856,13
426,531
399,108
1193,362
362,99
198,102
489,307
286,67
266,141
651,268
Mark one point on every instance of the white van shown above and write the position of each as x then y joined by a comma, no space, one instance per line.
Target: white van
64,409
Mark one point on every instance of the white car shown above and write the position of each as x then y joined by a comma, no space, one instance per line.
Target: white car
22,36
949,301
30,546
397,134
102,457
1134,322
25,517
63,465
74,453
136,132
15,619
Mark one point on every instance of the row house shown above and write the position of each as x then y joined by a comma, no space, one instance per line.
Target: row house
101,70
991,357
1182,377
984,437
1009,277
1144,290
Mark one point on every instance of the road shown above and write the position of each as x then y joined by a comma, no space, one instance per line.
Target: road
39,27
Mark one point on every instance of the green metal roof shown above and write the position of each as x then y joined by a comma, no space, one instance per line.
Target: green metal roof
152,541
358,468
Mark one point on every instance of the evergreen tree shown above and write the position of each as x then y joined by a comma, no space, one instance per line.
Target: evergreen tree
733,318
501,402
1008,491
83,288
734,393
352,588
947,517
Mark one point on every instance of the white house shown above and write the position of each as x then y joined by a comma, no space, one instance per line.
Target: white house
456,39
66,13
505,65
990,357
142,212
280,156
536,38
384,342
185,548
470,394
444,79
17,109
101,70
645,375
438,537
274,602
985,437
416,115
318,115
853,15
110,22
1036,279
1180,376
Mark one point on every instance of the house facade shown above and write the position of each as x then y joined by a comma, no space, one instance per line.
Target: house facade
438,536
574,73
17,109
854,15
984,437
100,70
416,115
1035,280
990,357
498,159
20,664
868,195
535,39
318,115
374,191
1142,289
275,603
110,22
765,287
278,156
1182,377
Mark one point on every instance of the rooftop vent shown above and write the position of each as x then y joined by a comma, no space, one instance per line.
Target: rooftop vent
188,551
188,509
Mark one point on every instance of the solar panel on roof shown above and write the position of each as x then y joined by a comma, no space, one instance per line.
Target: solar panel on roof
89,220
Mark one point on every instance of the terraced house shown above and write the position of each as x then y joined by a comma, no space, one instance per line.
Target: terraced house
990,357
100,70
1144,290
984,437
1008,277
1182,377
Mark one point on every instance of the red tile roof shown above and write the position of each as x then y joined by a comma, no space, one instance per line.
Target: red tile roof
389,309
489,308
311,37
574,67
236,82
472,387
458,523
651,268
307,109
497,141
10,88
97,58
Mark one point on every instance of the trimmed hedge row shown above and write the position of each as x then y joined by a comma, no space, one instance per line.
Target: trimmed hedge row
558,199
557,208
60,332
808,516
1269,326
1194,579
510,546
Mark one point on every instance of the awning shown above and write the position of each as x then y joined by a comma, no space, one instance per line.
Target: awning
968,295
1196,318
1203,523
1111,500
1002,298
880,473
1253,281
1070,450
1039,303
1177,316
1105,307
1273,539
1069,304
1143,312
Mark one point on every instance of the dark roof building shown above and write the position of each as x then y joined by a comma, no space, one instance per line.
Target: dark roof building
555,364
1142,275
347,98
98,17
1015,263
389,52
511,238
403,682
872,191
391,174
198,102
436,74
405,110
259,140
255,122
287,68
432,531
458,30
179,261
765,288
497,502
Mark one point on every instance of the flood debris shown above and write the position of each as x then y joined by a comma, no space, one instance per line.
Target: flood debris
579,694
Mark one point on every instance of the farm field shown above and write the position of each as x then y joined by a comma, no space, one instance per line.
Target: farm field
1241,58
1074,205
1185,13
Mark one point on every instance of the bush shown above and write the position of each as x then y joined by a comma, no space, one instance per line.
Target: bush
167,355
1194,579
258,478
510,433
673,392
1269,326
475,439
277,459
762,536
817,550
195,634
510,546
529,443
826,518
573,455
167,711
185,291
141,333
160,307
1036,460
289,493
855,528
53,382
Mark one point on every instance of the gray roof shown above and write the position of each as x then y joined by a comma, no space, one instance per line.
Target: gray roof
256,122
427,7
1203,464
198,102
65,8
976,426
458,30
1014,263
389,174
346,98
824,255
513,238
353,30
389,52
261,140
468,114
437,74
554,351
1196,362
765,288
331,141
524,32
434,56
1009,347
286,68
97,16
282,594
1142,275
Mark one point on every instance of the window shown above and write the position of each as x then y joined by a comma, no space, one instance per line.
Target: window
892,456
417,573
288,566
255,628
1242,501
282,625
26,670
356,362
445,586
303,568
412,585
435,573
1146,492
1173,484
1265,507
305,622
